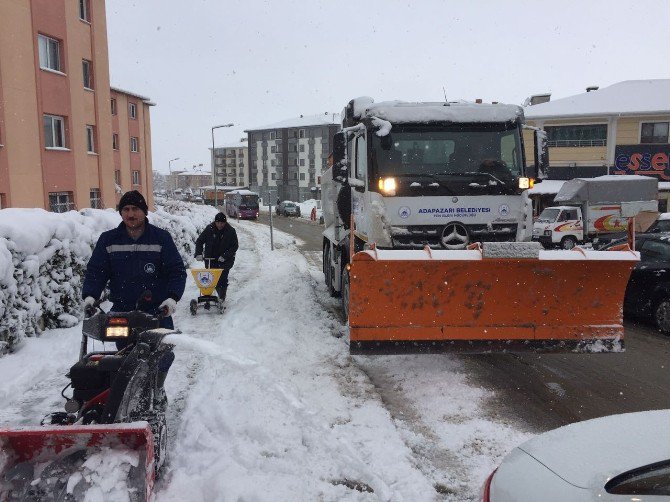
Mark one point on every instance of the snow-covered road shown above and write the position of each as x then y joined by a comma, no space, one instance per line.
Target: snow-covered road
266,404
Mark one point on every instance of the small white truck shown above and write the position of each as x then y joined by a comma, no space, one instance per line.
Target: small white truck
595,208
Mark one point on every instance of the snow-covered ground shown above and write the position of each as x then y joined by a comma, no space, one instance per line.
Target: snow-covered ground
266,404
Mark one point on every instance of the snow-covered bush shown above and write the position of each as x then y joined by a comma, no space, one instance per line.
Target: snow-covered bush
43,258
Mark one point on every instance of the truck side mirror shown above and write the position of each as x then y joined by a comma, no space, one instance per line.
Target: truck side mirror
541,154
340,168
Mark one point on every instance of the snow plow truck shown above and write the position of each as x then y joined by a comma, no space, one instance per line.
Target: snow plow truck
427,238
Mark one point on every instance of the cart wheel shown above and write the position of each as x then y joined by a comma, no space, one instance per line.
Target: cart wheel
194,307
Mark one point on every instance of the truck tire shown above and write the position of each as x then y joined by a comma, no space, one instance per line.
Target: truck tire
328,271
568,242
662,315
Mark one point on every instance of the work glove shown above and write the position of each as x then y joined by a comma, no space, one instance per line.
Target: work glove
198,257
168,307
89,306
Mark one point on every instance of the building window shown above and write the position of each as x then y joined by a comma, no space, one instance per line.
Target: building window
136,177
302,162
654,132
274,176
60,202
84,13
302,148
113,106
324,163
49,49
132,110
302,133
273,162
295,176
302,176
311,178
54,131
272,135
273,149
311,162
115,141
133,145
577,135
87,69
90,139
96,203
3,198
117,177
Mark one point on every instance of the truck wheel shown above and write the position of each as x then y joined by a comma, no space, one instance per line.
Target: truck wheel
662,315
568,242
328,271
345,293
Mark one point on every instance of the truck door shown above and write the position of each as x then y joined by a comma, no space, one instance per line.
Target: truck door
358,194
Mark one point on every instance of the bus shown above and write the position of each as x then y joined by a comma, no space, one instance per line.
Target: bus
241,204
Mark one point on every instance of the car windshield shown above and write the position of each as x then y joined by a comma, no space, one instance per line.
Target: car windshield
549,215
448,152
653,479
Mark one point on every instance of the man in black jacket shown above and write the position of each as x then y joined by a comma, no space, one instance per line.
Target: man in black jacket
220,242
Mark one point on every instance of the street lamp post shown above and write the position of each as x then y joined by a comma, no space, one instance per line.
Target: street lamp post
170,167
216,193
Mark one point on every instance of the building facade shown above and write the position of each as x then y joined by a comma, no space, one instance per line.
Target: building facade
57,134
131,142
230,165
620,129
287,158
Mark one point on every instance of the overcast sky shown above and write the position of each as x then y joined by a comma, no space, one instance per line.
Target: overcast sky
210,62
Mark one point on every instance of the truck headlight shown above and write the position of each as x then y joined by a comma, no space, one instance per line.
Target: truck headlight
387,186
547,233
526,183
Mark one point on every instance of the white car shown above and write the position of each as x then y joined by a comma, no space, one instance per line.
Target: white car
613,458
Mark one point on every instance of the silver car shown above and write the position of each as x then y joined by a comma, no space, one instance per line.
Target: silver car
613,458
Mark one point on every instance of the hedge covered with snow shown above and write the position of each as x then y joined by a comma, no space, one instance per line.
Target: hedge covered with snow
43,258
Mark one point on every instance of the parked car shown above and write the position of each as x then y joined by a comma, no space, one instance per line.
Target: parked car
288,208
613,458
662,224
648,291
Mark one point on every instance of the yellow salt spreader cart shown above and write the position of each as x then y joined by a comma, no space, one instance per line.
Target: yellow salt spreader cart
206,279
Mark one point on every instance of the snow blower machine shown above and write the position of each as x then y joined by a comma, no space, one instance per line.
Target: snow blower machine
413,190
206,279
113,432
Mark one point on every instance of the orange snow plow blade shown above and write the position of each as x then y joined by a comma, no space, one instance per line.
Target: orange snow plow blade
514,298
37,461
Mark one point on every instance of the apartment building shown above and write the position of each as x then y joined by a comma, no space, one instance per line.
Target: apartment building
131,142
620,129
230,165
60,148
288,157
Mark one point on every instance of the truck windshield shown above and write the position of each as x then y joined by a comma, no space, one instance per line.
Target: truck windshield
455,152
549,215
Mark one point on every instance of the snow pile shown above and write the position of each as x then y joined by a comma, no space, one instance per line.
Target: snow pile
43,258
306,209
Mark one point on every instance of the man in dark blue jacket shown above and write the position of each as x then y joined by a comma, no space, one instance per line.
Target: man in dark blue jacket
135,257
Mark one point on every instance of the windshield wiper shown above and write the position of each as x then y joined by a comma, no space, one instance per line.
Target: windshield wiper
477,173
424,175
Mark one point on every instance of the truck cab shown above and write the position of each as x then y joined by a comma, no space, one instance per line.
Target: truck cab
411,175
559,226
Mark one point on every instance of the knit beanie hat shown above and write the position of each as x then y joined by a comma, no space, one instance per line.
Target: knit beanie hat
133,198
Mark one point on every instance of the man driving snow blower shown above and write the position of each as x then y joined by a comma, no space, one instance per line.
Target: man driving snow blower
133,258
220,242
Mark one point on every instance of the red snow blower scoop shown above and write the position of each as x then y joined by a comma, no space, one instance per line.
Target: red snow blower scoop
50,463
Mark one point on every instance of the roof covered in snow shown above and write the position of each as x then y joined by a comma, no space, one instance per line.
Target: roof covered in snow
546,187
631,97
403,112
611,188
133,94
302,121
